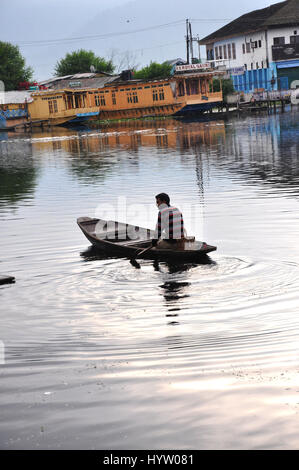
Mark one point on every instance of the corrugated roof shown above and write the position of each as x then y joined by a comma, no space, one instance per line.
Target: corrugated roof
281,13
54,79
87,80
288,14
16,97
84,75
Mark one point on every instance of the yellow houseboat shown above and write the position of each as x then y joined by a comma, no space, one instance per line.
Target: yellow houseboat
189,90
57,107
42,108
14,108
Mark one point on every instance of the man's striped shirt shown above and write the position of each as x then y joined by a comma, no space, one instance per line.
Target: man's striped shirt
170,224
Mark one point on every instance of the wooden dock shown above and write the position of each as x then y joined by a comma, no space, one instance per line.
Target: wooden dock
27,126
5,279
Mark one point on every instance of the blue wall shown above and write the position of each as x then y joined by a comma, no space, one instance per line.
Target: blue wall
251,79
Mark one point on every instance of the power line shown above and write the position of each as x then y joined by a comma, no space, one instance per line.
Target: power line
137,50
48,42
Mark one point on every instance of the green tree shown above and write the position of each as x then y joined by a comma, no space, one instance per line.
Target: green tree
13,69
154,70
80,62
227,87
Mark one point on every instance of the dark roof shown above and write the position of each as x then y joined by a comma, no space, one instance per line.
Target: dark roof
87,80
281,13
178,61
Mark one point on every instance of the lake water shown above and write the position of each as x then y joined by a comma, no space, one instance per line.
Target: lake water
100,354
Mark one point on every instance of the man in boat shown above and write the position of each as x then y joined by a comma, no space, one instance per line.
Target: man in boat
170,232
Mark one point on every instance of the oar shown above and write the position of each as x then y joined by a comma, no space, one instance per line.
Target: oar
143,251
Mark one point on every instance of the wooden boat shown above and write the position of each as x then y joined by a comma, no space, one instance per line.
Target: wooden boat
125,240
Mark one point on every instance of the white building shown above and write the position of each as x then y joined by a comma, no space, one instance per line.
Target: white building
261,48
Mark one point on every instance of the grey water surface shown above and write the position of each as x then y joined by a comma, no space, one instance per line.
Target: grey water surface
100,354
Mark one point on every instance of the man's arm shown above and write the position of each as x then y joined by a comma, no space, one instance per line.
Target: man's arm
157,231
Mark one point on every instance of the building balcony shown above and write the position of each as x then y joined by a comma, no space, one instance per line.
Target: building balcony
285,52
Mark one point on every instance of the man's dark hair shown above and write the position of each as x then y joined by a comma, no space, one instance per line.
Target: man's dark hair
164,198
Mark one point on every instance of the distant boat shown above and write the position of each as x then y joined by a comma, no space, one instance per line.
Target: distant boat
125,240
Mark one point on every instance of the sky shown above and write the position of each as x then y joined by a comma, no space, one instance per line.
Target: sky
131,33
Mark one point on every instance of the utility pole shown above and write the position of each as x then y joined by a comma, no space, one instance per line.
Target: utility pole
191,44
198,40
187,41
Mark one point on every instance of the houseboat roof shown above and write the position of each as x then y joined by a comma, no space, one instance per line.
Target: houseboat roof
16,97
278,14
80,80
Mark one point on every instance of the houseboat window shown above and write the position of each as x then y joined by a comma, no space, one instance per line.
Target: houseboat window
97,100
132,97
155,95
161,94
70,104
113,98
78,103
243,48
188,87
229,51
102,101
194,87
260,43
216,52
53,106
181,90
247,46
140,88
147,87
220,52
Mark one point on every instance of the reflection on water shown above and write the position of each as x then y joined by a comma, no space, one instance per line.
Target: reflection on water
105,352
18,173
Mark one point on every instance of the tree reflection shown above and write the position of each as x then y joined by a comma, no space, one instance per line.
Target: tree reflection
18,174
